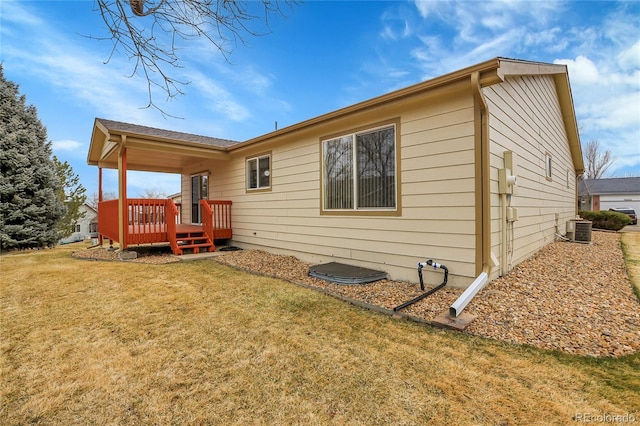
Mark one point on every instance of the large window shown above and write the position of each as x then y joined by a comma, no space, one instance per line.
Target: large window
259,172
359,171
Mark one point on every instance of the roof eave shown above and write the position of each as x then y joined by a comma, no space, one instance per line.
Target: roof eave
488,75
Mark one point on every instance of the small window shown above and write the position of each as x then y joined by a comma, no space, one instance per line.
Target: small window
548,165
78,228
259,172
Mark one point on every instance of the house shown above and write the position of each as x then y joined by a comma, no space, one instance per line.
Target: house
603,194
476,169
86,227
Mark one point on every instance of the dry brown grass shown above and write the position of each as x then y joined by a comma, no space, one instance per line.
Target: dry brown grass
631,249
200,343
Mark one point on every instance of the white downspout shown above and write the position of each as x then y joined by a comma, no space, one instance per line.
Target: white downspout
458,306
478,284
503,234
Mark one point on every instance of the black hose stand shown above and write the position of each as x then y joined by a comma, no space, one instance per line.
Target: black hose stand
430,292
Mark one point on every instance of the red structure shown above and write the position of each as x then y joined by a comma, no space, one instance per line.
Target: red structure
150,221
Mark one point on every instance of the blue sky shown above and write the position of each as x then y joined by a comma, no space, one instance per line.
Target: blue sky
323,56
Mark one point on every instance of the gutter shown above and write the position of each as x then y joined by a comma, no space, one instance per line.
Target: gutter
482,141
486,71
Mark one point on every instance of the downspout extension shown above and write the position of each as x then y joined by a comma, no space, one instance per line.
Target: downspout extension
483,278
433,290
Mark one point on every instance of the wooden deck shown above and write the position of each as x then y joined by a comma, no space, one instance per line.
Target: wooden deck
182,228
154,221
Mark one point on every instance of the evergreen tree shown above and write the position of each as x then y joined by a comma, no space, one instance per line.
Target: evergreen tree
73,194
29,204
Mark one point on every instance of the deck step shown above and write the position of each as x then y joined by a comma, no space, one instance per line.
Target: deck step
186,246
193,240
196,248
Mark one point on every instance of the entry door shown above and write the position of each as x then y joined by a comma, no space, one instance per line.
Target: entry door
199,191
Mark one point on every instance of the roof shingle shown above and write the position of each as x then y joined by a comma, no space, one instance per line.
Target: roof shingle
628,185
129,128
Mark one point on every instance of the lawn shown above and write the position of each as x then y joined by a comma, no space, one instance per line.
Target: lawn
85,342
631,249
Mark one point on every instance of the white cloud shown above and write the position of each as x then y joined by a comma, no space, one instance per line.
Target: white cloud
551,38
582,71
66,145
629,59
396,25
601,50
78,73
218,99
15,12
426,8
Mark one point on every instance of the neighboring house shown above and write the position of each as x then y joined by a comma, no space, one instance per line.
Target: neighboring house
603,194
86,227
419,173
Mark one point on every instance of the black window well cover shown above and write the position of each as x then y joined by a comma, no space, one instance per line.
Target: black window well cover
345,274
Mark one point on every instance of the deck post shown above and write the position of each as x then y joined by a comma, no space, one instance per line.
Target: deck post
123,220
100,240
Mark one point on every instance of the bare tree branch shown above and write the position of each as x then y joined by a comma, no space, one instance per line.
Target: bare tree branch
597,162
150,32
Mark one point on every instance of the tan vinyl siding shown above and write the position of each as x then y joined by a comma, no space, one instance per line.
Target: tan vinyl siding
525,118
437,207
185,188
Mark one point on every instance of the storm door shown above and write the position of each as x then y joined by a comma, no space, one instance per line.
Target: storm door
199,191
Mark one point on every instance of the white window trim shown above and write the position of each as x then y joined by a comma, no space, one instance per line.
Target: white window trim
257,159
548,166
353,135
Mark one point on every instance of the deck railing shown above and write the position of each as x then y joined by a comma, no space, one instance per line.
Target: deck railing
179,210
155,220
173,215
207,219
222,229
147,220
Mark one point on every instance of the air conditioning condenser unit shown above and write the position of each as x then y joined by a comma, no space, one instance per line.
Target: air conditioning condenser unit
579,230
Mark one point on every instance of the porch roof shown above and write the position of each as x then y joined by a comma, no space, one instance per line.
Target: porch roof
151,149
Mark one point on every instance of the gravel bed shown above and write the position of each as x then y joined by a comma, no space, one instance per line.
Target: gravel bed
574,298
150,254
